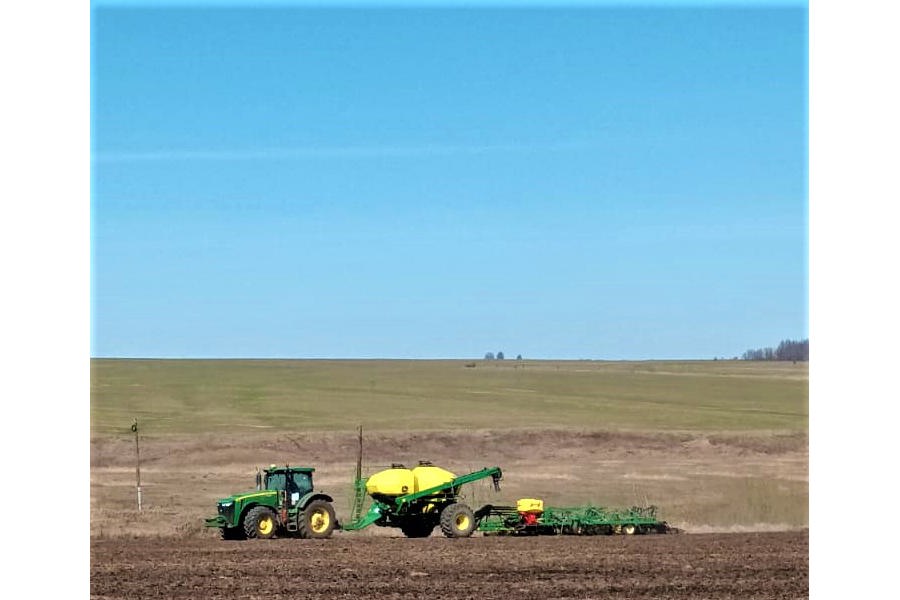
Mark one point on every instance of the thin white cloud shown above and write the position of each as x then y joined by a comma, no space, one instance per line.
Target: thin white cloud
302,152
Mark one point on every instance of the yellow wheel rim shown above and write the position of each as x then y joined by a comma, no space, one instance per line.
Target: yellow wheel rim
319,521
266,525
628,529
462,522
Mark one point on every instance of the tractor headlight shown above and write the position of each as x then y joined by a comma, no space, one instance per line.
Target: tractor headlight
225,508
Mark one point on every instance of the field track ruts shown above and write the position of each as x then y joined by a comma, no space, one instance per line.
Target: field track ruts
738,565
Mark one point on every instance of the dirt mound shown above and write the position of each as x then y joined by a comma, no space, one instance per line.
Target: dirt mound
383,448
714,480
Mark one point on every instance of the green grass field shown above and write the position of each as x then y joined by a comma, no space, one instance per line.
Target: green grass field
192,396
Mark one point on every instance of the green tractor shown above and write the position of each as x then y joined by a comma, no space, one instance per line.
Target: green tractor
284,504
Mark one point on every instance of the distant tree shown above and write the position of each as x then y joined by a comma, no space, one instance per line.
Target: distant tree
792,350
786,350
500,356
519,357
489,356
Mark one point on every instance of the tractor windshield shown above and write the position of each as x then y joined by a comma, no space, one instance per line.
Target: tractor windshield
295,483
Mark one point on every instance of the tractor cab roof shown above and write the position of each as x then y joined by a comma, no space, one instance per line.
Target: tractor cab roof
288,469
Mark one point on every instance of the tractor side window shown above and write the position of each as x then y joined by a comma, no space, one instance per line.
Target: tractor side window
302,483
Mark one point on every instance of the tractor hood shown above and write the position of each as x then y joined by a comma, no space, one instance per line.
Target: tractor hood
242,496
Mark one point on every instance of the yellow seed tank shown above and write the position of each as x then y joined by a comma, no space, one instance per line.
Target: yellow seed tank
530,505
400,481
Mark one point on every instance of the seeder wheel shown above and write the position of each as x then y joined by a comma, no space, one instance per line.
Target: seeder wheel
457,521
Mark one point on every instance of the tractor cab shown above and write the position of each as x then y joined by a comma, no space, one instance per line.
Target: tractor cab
295,481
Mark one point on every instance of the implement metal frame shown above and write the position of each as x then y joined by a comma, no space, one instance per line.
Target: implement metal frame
579,520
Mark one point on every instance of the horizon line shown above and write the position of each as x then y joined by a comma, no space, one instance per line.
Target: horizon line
469,359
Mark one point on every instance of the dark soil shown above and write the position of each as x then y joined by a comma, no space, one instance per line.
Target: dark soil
738,565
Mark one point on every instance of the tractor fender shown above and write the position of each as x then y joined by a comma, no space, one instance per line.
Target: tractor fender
310,496
244,502
240,514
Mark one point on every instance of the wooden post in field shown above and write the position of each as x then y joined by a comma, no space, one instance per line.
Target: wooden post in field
358,488
359,456
137,454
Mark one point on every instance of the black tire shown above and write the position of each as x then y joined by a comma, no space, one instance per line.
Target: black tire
457,521
418,529
260,522
232,533
317,520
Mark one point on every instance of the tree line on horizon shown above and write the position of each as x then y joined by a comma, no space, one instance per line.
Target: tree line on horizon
793,350
498,356
786,350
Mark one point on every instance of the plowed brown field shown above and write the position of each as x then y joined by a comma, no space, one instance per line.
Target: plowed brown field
737,565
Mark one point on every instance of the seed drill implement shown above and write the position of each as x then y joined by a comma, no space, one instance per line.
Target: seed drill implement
420,499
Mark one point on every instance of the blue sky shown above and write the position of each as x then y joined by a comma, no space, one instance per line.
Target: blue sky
583,182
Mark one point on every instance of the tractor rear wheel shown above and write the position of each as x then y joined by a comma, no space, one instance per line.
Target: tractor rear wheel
628,529
457,521
260,522
317,520
417,529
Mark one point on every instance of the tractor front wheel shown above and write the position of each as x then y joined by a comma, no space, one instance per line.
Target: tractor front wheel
260,522
457,521
316,521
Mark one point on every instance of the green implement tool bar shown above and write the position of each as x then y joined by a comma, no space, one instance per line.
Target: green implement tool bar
494,472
